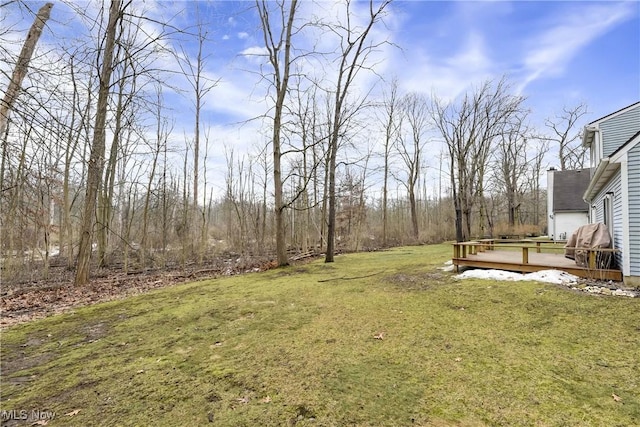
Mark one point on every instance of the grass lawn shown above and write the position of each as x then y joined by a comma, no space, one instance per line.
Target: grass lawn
296,346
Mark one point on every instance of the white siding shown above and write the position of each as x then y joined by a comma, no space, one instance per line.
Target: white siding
614,185
619,129
634,209
568,222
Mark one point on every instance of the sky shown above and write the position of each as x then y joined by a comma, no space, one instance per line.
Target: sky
554,53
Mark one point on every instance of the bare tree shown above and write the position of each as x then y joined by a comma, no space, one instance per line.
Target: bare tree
96,160
512,164
156,148
21,68
391,120
537,168
194,71
78,121
416,114
571,153
355,49
278,43
126,79
468,127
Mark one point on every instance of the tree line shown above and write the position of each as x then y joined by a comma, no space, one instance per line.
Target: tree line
95,172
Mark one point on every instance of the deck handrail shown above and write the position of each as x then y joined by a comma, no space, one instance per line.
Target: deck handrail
515,245
593,261
460,249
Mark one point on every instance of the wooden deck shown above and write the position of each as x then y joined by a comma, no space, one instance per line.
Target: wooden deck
526,257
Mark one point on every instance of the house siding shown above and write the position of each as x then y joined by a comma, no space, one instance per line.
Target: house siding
618,130
615,186
634,209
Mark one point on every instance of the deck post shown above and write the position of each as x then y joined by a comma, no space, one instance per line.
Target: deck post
538,247
592,259
456,250
525,255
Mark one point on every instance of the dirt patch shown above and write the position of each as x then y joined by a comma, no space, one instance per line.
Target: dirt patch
21,362
417,282
95,332
29,300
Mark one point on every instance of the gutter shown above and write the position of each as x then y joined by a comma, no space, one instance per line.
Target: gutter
604,163
589,135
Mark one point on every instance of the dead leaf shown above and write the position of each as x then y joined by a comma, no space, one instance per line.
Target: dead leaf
616,397
72,413
458,359
243,400
379,336
266,400
141,371
41,423
21,303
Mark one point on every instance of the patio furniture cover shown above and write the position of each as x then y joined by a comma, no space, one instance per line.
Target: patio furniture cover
591,236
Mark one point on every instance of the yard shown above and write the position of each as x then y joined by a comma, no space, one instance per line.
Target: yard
374,339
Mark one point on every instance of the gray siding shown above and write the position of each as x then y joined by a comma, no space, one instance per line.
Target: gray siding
619,129
634,209
614,185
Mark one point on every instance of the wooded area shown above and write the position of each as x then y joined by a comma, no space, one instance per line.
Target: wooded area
94,172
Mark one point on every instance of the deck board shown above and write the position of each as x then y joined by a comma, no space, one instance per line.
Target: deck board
512,261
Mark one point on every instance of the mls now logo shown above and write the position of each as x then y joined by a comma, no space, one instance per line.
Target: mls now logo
23,414
14,414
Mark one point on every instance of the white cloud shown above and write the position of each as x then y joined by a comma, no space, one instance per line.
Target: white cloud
255,51
473,56
243,35
550,52
234,97
446,77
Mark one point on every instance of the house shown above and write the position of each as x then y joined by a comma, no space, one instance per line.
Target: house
613,194
566,209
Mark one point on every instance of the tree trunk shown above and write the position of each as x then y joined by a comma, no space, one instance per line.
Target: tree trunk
20,71
96,159
415,231
281,82
354,53
106,196
331,220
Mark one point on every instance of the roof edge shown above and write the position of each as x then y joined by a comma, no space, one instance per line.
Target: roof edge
615,112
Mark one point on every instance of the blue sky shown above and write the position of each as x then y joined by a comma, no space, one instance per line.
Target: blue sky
555,53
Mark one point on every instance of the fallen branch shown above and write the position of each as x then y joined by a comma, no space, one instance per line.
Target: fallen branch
350,278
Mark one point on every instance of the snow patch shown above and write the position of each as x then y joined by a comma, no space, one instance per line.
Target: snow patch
548,276
448,266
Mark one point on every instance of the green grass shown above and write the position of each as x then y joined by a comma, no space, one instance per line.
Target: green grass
296,346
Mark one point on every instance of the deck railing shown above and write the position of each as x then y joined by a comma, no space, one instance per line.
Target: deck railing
462,249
